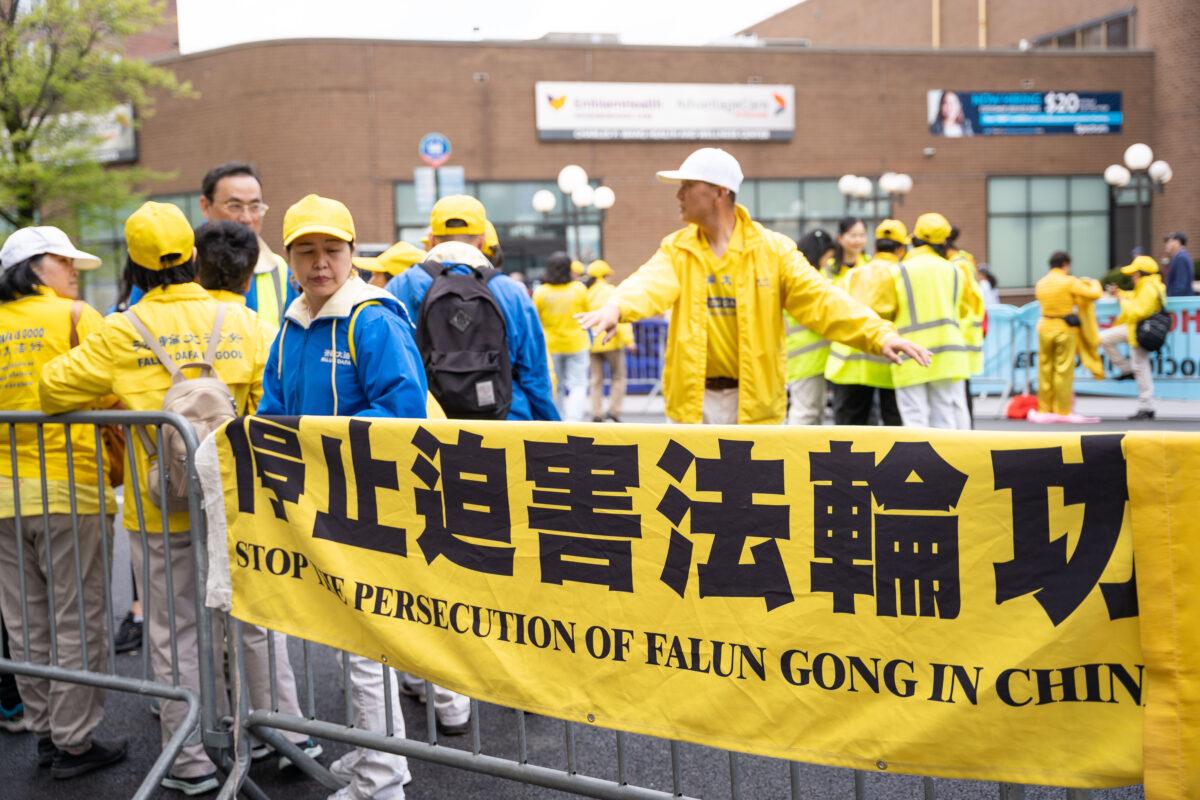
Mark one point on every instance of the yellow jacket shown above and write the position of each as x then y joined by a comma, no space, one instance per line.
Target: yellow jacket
34,330
599,293
1059,293
270,279
557,304
1146,300
115,360
772,275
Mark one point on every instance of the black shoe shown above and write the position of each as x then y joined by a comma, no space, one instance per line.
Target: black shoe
1142,414
98,755
613,418
453,730
201,784
46,751
597,419
129,635
1125,376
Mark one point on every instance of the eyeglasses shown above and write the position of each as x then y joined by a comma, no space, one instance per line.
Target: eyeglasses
235,207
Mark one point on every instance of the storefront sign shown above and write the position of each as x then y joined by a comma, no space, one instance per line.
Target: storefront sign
955,114
664,111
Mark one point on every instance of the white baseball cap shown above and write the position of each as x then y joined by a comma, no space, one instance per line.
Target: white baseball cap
709,164
29,242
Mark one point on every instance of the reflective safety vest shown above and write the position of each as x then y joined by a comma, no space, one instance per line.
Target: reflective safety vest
972,322
806,350
929,294
846,365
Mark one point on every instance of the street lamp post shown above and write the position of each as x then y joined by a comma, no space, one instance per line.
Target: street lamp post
577,194
1141,170
896,185
854,187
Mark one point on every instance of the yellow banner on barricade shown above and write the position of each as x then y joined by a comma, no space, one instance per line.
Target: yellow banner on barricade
948,604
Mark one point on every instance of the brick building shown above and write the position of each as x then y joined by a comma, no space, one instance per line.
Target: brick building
343,118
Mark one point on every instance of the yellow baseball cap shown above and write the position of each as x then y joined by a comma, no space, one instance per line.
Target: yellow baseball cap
159,236
577,268
461,207
932,227
491,239
316,214
394,260
892,229
599,269
1144,264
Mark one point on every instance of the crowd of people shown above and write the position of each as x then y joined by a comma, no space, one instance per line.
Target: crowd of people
762,330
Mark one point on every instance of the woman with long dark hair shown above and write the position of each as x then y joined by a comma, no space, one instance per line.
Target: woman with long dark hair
558,300
848,247
807,351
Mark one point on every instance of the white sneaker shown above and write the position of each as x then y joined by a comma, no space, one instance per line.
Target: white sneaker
343,768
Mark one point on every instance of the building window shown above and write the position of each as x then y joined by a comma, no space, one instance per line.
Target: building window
795,206
1112,31
1031,217
526,236
102,234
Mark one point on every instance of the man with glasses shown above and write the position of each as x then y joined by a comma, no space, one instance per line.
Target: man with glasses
233,192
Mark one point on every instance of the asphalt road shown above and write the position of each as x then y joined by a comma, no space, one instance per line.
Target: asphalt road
705,772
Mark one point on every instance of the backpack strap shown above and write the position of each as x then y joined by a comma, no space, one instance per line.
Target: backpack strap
76,313
163,357
433,269
350,332
214,339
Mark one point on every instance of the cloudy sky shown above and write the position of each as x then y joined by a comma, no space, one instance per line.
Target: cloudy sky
205,24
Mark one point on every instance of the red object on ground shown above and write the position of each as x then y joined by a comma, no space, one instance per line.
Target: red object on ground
1020,406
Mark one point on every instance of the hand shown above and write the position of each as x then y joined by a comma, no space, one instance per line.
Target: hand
602,321
896,348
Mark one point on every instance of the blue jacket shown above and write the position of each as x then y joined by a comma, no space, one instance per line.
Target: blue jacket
382,376
1180,274
531,396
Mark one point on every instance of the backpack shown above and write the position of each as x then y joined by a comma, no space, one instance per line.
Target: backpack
463,340
204,401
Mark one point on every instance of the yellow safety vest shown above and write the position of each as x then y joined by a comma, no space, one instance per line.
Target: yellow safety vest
848,366
806,350
972,322
929,293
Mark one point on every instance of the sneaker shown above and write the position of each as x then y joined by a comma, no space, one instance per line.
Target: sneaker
201,784
597,419
1125,376
343,768
453,730
46,751
310,748
409,690
65,765
259,750
1142,414
613,418
13,719
129,635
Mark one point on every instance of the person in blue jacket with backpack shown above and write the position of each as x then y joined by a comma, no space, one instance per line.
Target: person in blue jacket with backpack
346,348
458,230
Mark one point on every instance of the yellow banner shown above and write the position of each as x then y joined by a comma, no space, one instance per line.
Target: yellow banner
949,604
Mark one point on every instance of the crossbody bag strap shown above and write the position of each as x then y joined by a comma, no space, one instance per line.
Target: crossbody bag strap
214,339
162,355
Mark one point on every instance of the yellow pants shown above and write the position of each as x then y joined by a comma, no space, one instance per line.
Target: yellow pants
1056,366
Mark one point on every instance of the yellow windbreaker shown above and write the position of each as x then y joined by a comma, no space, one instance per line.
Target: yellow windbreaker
115,360
557,304
1146,299
772,275
35,329
600,293
1059,294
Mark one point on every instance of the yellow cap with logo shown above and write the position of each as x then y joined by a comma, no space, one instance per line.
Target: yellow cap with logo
599,269
893,230
394,260
316,214
464,208
577,268
932,228
1144,264
159,236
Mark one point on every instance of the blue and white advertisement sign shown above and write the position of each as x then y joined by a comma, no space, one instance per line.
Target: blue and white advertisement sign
954,114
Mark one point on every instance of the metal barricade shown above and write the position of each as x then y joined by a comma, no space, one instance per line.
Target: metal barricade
94,669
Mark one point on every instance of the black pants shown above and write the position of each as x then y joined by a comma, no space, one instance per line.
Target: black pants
852,405
9,696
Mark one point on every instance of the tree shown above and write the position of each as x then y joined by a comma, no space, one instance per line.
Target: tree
63,66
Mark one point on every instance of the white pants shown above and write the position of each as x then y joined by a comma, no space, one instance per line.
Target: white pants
452,708
375,775
937,404
1138,363
806,401
720,407
572,372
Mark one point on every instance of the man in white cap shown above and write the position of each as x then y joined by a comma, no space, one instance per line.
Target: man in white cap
726,280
